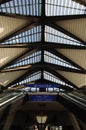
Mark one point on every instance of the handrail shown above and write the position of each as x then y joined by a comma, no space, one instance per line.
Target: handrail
77,97
11,99
73,100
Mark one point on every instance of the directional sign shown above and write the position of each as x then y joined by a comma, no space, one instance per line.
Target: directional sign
43,85
42,98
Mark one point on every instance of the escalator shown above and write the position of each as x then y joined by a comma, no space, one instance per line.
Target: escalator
9,97
81,102
75,104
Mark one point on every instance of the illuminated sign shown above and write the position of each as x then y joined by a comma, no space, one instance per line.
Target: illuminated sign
43,85
42,98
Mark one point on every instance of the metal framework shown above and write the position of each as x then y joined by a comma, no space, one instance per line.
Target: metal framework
43,39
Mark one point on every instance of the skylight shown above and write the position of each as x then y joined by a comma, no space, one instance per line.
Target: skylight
33,77
41,29
51,58
32,35
54,79
63,7
24,7
31,59
52,35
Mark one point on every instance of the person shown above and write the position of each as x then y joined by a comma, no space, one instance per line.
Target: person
26,98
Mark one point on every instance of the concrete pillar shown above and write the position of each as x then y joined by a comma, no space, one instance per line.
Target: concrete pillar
9,118
74,121
11,114
83,125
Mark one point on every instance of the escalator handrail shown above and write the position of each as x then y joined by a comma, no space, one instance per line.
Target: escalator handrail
74,100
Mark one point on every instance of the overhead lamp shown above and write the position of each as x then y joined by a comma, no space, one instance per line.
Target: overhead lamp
3,59
4,83
41,119
1,29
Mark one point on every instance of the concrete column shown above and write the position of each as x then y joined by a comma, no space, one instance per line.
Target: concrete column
83,125
10,118
11,114
74,121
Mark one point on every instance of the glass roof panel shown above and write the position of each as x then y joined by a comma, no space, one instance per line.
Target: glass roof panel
52,35
33,77
63,7
24,7
31,59
54,79
51,58
34,8
33,35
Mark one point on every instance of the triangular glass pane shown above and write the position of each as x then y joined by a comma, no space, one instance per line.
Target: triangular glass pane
33,77
52,35
63,7
31,59
53,59
33,35
51,77
24,7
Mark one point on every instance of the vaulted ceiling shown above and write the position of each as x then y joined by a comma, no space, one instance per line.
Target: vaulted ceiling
43,41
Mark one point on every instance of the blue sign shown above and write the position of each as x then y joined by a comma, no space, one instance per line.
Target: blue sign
43,85
42,98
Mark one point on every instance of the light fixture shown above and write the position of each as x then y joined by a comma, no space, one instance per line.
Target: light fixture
41,119
4,83
1,29
3,59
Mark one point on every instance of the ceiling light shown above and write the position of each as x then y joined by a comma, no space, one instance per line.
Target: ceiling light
4,83
1,29
3,59
41,119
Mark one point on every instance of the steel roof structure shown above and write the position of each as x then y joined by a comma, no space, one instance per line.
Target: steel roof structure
43,41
